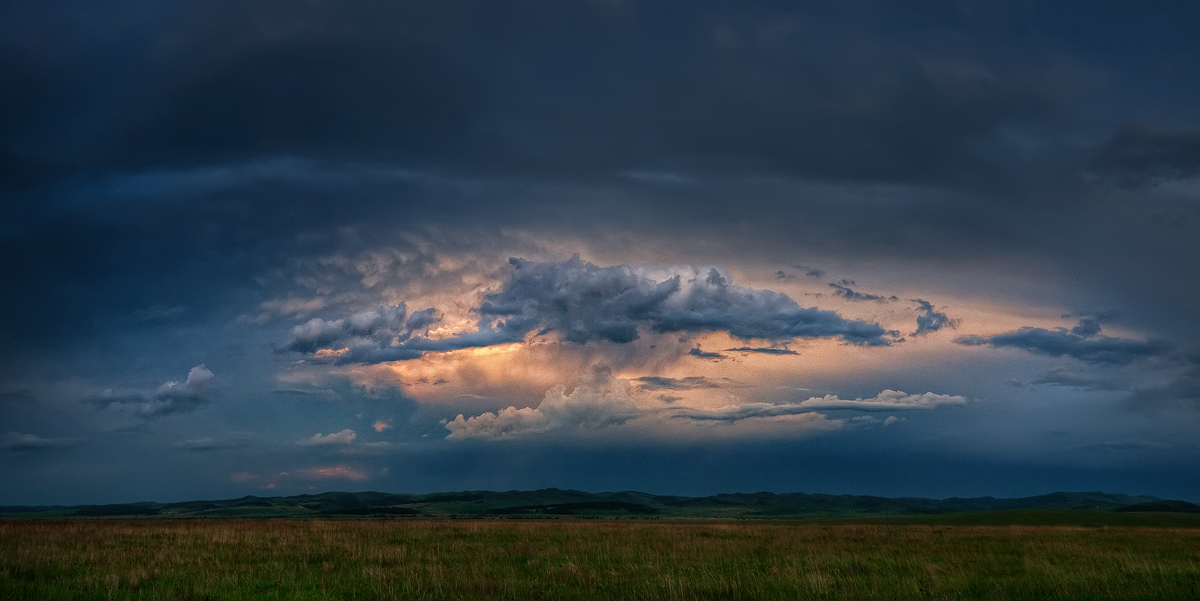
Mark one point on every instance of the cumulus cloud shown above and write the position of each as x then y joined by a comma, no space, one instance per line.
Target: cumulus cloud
843,290
17,441
1083,342
604,401
172,397
601,401
888,400
930,320
581,303
344,437
375,328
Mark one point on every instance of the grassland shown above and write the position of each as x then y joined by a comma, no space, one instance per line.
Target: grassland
596,559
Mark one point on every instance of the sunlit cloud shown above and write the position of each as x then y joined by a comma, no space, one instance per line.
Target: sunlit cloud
603,401
581,302
344,437
888,400
336,472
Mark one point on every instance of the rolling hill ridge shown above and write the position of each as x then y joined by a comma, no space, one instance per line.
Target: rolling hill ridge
554,502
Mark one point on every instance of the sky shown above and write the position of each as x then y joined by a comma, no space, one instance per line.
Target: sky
891,248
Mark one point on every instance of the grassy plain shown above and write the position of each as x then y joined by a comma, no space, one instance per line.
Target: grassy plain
598,559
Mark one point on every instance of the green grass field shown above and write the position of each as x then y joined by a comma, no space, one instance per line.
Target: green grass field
596,559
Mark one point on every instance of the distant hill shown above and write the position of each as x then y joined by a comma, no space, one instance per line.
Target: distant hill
553,502
1162,506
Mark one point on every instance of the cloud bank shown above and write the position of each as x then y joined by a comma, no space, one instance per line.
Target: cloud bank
581,303
604,401
601,401
888,400
172,397
1083,342
365,335
584,303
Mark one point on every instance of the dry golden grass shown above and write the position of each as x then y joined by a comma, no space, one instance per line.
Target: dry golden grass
309,559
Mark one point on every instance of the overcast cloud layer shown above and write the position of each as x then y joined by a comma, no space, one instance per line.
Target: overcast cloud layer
899,248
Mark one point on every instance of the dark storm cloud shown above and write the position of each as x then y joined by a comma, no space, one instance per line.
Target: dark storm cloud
887,400
843,290
1089,346
932,321
741,412
821,90
764,350
583,303
376,328
687,383
172,397
1088,326
1137,156
414,348
696,352
811,272
115,96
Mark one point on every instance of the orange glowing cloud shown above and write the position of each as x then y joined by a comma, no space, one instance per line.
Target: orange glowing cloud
340,471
